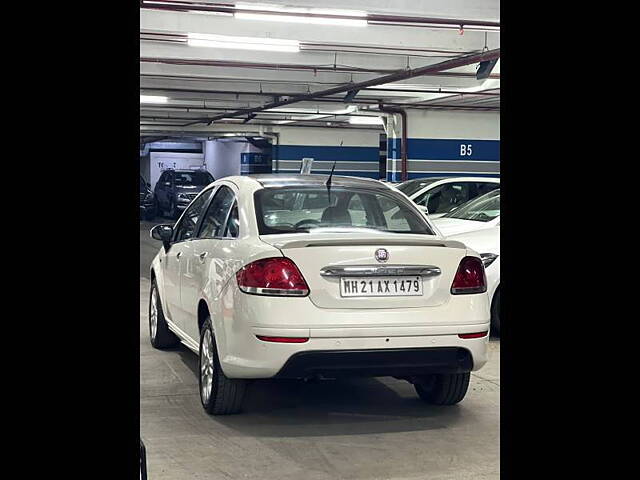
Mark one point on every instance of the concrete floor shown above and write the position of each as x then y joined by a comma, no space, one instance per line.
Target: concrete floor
357,429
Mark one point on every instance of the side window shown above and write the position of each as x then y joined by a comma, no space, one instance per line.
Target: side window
486,187
444,198
215,219
190,218
233,224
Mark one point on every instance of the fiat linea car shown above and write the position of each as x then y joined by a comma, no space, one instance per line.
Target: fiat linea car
309,276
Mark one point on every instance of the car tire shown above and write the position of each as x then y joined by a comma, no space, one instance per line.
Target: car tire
159,334
219,394
443,389
495,313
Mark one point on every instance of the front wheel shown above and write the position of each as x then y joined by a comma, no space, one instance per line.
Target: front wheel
159,334
444,388
219,394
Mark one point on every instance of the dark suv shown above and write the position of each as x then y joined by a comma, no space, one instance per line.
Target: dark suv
176,188
147,201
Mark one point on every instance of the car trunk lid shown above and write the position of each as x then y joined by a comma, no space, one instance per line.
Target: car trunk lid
325,258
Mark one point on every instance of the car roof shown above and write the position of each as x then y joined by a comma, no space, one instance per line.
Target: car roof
311,180
458,179
422,179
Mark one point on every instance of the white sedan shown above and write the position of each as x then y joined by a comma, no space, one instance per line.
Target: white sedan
438,196
487,243
306,276
478,214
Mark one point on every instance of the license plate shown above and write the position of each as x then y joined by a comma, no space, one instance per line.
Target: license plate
380,286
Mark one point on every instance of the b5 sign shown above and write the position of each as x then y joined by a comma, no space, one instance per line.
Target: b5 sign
466,150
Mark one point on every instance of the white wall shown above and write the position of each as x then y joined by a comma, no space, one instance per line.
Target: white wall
355,152
329,137
453,124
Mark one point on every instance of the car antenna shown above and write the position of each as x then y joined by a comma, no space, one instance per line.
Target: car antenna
328,184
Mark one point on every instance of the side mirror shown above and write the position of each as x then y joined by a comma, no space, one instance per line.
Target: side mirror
163,233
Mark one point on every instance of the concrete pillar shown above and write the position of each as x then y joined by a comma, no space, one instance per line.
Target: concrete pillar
394,152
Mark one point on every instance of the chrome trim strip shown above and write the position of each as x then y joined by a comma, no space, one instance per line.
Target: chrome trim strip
380,270
274,291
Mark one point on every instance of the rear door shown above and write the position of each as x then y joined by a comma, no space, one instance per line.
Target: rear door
206,255
160,190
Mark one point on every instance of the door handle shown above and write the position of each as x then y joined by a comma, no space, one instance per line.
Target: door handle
178,255
203,255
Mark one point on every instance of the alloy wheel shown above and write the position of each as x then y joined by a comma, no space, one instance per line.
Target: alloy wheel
207,367
153,314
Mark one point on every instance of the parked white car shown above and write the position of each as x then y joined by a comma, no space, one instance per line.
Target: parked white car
440,195
278,276
478,214
487,243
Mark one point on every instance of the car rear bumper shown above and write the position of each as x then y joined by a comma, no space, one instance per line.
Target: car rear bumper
400,354
327,333
377,362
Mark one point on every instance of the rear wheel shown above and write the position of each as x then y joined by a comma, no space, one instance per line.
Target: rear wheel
219,394
443,389
159,333
495,313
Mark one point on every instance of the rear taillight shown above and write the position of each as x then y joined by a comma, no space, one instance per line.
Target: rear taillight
283,339
474,335
272,276
470,277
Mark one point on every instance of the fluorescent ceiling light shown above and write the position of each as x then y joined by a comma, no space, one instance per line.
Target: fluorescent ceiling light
365,120
349,109
153,99
242,43
298,15
182,5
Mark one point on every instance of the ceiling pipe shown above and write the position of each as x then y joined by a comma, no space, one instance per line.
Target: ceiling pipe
404,175
394,77
280,94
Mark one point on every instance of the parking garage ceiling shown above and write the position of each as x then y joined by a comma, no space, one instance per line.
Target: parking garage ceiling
202,60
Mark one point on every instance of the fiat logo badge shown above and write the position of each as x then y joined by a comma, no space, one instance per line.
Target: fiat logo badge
382,255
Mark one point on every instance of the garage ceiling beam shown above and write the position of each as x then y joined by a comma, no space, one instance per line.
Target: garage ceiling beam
402,75
299,67
186,6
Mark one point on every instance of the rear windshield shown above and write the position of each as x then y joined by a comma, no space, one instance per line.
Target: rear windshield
480,209
303,209
193,178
